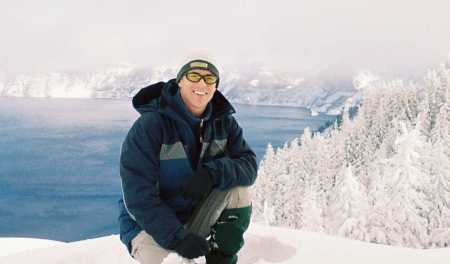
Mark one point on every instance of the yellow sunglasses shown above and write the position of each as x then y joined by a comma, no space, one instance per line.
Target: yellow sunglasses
196,77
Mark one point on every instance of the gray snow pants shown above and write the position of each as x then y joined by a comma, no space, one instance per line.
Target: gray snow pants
146,251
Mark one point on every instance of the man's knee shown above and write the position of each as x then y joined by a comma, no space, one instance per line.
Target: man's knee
146,251
239,197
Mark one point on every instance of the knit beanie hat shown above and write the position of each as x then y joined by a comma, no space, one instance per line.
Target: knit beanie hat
198,64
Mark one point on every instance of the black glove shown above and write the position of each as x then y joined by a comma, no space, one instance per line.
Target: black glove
199,185
192,246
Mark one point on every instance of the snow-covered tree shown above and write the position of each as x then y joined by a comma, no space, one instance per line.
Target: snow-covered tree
406,223
348,206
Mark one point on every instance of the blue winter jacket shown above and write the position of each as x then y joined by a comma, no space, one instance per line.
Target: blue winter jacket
157,158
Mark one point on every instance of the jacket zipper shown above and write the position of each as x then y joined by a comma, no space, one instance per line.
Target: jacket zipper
201,130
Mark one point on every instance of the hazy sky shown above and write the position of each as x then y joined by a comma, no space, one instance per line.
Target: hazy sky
382,35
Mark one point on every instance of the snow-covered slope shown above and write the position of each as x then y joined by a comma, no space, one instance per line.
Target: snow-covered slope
11,246
263,245
323,92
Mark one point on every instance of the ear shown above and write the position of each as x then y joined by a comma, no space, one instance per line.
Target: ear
182,82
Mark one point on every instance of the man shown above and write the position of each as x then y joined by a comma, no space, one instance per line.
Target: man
185,169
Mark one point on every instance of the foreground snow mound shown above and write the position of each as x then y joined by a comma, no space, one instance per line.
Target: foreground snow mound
9,246
263,245
106,249
174,258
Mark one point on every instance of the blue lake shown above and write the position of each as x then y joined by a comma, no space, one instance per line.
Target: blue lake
59,160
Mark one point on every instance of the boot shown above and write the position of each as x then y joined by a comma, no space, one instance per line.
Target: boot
227,235
216,257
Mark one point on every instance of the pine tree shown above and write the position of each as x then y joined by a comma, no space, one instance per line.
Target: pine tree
348,206
405,223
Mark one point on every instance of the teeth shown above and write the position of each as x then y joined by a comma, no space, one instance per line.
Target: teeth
200,93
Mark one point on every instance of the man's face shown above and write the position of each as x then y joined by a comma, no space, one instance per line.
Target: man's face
196,95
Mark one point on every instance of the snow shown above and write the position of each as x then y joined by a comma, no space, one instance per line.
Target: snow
314,112
11,246
365,80
254,83
264,244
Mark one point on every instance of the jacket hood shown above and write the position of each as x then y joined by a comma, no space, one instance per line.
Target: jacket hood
162,97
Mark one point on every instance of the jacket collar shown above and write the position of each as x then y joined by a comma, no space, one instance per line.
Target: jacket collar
164,97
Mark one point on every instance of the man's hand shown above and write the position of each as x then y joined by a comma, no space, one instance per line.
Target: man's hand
192,246
199,185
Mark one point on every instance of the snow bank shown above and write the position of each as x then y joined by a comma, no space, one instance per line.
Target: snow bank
11,246
263,245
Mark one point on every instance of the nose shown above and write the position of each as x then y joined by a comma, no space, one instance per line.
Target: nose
203,82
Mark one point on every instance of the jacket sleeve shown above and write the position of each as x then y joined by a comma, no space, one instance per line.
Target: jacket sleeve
139,172
238,167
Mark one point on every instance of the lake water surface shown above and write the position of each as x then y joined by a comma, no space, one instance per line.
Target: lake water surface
59,160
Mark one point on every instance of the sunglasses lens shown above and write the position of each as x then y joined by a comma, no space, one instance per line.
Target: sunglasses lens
196,77
193,76
210,79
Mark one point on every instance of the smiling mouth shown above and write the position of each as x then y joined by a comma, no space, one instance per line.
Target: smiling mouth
200,93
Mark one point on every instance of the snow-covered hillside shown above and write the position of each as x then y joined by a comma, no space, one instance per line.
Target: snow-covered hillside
263,245
322,92
383,176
